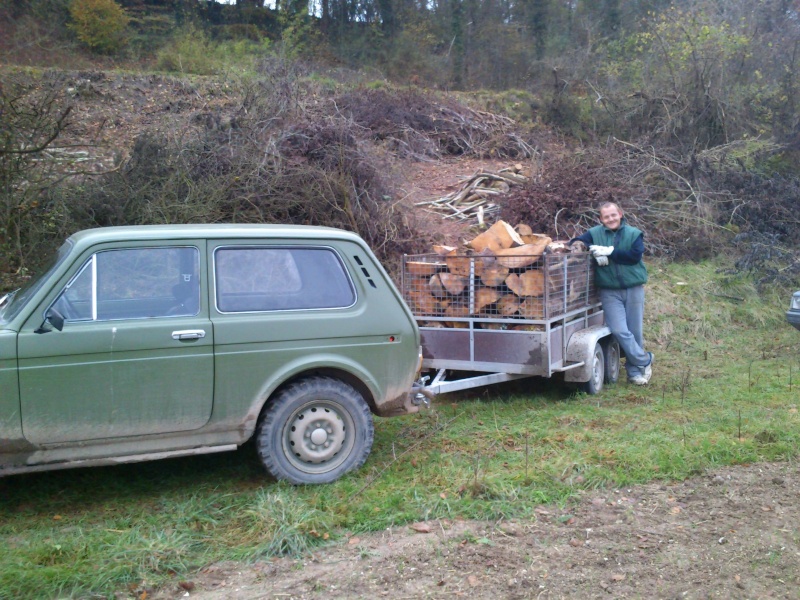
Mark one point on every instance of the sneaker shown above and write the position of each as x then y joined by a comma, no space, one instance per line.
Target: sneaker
637,380
648,370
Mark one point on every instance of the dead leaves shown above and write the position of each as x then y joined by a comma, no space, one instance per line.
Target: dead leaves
421,527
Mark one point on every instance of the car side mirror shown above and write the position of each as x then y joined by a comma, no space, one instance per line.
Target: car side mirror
53,318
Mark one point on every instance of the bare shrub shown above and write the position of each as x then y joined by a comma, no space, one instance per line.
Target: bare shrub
33,117
682,214
417,125
315,173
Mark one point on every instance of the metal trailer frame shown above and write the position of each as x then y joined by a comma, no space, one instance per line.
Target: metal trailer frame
499,348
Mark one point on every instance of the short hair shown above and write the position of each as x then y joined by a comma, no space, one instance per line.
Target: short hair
608,203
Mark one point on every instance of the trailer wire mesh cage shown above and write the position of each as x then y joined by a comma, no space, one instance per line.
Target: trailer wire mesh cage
492,292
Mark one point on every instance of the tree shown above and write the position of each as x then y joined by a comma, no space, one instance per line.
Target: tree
100,24
32,117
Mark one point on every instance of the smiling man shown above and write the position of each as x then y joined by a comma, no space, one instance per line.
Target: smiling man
620,275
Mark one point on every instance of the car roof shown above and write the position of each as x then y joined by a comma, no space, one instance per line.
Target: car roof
209,231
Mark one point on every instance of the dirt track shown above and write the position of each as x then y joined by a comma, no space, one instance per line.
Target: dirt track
729,534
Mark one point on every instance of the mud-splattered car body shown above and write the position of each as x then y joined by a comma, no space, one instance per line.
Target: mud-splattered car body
156,341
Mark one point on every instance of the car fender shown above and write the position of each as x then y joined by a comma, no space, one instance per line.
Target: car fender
579,349
308,364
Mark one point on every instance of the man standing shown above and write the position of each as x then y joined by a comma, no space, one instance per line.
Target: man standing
620,276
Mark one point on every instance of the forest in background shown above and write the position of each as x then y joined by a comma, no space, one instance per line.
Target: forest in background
686,110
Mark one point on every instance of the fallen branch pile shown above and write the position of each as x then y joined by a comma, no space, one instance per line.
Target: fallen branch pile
476,198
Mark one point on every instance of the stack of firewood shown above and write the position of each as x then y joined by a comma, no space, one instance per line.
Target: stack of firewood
500,274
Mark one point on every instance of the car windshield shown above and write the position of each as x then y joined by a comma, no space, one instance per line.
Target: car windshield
12,303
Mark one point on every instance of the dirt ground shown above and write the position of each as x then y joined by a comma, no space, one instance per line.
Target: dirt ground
732,533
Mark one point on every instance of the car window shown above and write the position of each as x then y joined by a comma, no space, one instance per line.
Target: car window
265,279
133,283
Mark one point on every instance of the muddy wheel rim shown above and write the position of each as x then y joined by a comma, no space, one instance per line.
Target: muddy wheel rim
318,437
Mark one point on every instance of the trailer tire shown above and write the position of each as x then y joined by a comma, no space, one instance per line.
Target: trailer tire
597,372
611,357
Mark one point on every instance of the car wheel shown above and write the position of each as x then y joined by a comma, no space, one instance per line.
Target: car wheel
611,357
597,373
315,431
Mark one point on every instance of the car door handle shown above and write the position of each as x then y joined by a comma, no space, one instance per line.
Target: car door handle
189,334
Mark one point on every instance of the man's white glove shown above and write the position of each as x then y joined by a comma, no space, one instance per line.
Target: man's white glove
602,260
601,250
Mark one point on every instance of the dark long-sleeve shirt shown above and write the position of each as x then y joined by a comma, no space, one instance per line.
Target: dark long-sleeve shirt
623,257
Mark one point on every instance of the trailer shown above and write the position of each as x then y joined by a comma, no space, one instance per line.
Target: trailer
487,319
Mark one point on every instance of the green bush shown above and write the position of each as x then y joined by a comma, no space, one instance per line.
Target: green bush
100,24
193,52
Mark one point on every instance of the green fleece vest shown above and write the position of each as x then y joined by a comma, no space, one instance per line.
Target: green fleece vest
616,276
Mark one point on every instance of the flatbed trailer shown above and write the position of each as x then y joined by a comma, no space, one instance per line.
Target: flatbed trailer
530,316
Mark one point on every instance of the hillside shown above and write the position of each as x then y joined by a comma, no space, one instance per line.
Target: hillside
287,146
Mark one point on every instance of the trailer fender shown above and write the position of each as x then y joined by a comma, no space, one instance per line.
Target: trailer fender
580,349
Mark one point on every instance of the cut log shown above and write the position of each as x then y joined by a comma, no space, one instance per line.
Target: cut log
536,238
532,308
484,297
423,269
458,264
527,327
452,283
437,288
529,283
494,274
522,229
457,311
558,247
508,305
443,250
483,259
521,256
499,236
424,303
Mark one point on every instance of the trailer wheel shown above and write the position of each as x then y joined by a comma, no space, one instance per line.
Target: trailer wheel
595,383
315,430
611,356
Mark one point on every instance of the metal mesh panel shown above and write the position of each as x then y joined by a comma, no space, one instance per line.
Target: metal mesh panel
501,292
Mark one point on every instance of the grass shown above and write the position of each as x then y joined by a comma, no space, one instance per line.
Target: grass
726,391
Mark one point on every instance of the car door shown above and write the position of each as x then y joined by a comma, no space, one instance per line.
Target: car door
135,355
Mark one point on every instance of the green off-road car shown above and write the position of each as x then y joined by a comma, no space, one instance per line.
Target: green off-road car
140,343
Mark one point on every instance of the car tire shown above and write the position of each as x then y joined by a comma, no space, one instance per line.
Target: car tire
314,431
597,371
611,358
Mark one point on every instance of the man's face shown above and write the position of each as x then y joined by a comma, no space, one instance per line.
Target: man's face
610,216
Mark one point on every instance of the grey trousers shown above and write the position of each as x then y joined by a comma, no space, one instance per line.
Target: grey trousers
624,312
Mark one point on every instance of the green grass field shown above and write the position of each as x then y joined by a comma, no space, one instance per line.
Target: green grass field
725,391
